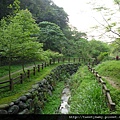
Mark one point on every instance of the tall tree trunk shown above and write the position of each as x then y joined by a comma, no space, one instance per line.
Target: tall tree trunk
10,60
34,63
23,67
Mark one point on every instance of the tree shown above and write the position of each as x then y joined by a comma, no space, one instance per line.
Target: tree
16,40
8,7
96,47
46,10
51,36
4,10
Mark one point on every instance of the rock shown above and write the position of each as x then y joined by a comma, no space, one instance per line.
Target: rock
50,87
32,90
3,112
50,93
64,111
11,104
28,95
25,111
17,101
29,103
4,106
13,109
65,98
36,86
22,105
23,98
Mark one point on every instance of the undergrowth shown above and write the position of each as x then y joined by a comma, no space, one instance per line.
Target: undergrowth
87,97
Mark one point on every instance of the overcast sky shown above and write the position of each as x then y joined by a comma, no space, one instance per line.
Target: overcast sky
82,15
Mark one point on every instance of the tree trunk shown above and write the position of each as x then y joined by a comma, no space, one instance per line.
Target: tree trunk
34,63
10,60
23,67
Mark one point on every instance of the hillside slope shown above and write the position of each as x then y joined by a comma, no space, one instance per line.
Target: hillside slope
110,72
110,69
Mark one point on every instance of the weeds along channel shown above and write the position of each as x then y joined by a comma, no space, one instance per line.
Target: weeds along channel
86,94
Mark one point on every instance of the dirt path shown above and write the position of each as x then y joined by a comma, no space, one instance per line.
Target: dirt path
113,83
6,76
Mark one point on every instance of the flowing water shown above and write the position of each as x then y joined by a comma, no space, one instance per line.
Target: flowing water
64,107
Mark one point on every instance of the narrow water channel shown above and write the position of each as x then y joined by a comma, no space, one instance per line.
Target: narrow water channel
64,107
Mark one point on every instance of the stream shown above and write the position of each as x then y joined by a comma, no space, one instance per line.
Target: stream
64,107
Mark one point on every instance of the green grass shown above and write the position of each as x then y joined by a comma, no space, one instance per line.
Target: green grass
21,89
4,69
86,94
110,69
54,101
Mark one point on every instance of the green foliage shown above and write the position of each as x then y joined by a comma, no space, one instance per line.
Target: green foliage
117,1
51,54
96,47
115,47
110,69
102,56
51,36
86,97
4,9
46,10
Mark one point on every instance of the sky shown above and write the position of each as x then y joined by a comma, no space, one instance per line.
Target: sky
84,18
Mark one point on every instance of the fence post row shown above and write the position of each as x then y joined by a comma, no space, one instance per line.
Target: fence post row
39,67
106,92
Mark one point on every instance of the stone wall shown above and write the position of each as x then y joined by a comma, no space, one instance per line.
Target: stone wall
35,99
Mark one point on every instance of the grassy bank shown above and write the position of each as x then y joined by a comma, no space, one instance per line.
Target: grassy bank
86,94
54,101
111,70
21,89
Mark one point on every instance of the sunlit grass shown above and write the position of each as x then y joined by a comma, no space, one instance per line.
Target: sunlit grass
86,94
110,69
21,89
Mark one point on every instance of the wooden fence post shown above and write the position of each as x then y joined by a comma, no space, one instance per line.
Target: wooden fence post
33,70
38,68
45,64
99,79
73,59
68,59
11,84
54,61
21,78
58,60
50,62
96,74
28,73
63,59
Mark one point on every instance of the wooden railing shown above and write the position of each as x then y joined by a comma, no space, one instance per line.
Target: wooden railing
105,90
20,78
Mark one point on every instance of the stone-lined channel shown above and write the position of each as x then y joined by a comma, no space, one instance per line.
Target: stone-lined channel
34,100
64,107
